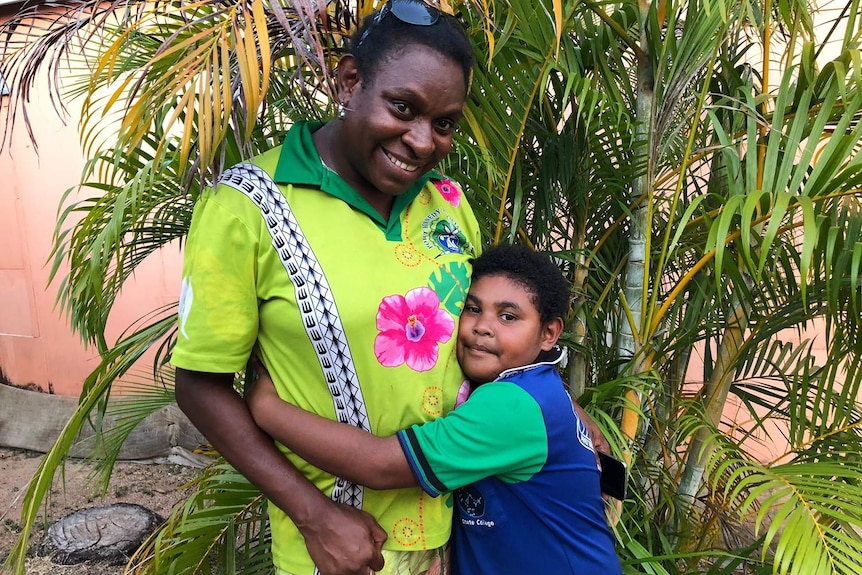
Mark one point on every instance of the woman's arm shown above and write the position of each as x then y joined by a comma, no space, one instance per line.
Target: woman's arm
340,449
340,539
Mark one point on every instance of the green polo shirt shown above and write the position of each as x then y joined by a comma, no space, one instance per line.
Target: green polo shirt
396,288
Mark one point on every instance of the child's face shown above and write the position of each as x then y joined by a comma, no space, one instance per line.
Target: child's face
500,328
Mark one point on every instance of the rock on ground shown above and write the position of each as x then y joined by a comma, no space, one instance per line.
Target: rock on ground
108,533
155,486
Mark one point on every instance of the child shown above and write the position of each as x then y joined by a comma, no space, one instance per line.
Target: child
517,457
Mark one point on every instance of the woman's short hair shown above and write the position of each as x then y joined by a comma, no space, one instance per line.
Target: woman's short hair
378,38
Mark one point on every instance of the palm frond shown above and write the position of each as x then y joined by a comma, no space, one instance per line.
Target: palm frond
94,397
223,523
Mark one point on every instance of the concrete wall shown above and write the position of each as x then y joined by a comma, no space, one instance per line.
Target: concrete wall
36,343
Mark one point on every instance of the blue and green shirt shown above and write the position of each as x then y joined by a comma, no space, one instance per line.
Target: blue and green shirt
525,479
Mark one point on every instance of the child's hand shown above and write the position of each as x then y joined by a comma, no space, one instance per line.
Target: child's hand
261,394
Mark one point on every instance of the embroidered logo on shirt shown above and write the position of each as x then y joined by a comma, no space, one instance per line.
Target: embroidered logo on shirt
471,503
441,234
584,435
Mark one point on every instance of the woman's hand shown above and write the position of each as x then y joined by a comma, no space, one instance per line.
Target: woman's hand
341,540
344,540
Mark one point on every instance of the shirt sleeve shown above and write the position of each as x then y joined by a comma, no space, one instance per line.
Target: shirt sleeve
499,431
218,309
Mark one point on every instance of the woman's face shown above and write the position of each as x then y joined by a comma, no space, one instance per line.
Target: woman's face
401,124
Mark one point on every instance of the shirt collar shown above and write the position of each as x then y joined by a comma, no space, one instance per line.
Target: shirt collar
555,355
300,164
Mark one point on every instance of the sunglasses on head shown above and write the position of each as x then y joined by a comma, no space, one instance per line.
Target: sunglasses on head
415,12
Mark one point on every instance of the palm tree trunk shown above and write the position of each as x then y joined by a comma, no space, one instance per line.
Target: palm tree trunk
578,361
716,389
656,437
630,341
715,393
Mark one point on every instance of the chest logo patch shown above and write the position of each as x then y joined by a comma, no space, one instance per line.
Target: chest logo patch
443,235
471,502
471,507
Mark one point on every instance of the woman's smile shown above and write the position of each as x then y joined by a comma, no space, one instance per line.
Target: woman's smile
400,164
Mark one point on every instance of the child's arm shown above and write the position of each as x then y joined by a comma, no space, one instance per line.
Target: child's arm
340,449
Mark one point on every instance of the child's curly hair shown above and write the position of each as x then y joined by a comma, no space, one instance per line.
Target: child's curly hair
532,270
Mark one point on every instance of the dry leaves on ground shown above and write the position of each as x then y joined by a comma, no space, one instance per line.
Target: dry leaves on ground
155,486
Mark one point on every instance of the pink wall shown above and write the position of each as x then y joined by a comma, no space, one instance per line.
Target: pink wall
768,445
36,344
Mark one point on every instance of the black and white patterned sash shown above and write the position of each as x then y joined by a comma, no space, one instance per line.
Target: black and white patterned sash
315,301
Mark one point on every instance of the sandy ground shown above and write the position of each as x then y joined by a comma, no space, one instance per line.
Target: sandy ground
155,486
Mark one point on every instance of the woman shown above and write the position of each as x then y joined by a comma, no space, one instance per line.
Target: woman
345,276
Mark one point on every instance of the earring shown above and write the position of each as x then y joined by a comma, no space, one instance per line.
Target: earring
342,111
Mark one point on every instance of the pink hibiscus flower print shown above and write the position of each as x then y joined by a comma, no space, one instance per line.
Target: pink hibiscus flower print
411,328
450,191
